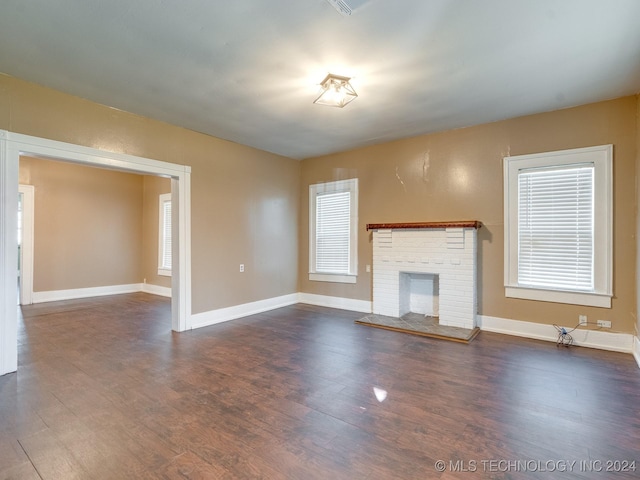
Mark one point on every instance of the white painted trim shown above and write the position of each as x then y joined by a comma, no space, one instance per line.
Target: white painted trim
350,185
557,296
331,277
156,290
602,159
212,317
74,293
68,152
636,349
364,306
617,342
26,252
181,252
8,256
12,145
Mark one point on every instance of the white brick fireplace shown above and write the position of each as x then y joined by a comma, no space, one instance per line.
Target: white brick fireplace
427,268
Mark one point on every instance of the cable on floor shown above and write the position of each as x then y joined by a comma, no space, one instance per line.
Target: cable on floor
564,336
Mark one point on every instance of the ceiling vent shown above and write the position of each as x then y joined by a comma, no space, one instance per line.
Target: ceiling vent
341,6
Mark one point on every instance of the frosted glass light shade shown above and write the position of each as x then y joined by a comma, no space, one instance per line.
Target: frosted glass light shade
336,91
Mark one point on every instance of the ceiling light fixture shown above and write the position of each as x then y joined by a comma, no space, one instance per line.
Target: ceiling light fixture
336,91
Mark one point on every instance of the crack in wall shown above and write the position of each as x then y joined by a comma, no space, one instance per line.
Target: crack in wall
400,179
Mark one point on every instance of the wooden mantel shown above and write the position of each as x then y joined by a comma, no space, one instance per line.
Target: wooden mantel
397,226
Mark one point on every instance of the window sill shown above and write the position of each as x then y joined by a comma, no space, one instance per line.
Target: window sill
164,272
330,277
573,298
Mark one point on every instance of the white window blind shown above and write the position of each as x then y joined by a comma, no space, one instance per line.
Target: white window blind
164,235
333,232
556,227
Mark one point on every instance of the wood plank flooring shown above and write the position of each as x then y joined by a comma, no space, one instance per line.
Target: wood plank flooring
105,390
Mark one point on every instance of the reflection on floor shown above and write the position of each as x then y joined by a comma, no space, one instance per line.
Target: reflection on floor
418,324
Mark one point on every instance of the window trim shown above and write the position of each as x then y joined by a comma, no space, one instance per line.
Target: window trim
351,186
162,199
602,159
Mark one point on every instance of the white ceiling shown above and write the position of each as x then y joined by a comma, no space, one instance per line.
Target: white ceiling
248,70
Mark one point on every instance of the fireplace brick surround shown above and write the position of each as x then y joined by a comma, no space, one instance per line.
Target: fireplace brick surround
447,250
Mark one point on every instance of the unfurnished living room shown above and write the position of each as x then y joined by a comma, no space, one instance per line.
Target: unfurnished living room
319,239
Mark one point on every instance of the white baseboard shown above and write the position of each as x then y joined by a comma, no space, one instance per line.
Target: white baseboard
57,295
74,293
212,317
617,342
636,350
156,290
363,306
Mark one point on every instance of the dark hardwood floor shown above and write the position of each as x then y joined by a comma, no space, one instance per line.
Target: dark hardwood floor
104,389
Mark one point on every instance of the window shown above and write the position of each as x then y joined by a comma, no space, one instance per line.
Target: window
164,243
333,223
558,226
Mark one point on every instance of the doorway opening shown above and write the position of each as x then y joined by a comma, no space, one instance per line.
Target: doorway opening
95,231
12,146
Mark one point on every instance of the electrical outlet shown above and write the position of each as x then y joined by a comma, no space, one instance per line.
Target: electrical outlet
604,323
241,267
368,268
582,319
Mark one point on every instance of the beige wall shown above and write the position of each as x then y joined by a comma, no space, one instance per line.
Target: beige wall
87,225
457,175
244,201
153,187
246,207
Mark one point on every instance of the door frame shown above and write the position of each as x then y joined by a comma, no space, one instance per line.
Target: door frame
14,145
